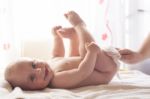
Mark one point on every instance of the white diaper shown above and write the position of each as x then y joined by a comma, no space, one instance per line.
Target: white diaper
114,54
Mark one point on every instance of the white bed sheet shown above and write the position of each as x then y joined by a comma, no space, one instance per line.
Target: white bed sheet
131,85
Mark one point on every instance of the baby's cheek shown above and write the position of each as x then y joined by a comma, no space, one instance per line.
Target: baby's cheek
40,83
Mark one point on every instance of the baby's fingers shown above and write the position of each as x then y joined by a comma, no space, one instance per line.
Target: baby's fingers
87,44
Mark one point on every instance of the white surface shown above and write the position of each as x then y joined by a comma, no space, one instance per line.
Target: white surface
132,85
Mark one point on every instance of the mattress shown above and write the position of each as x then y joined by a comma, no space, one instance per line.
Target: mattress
128,85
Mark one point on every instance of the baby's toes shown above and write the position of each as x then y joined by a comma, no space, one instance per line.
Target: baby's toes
54,29
57,27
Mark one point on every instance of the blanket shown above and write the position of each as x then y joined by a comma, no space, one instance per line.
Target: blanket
130,85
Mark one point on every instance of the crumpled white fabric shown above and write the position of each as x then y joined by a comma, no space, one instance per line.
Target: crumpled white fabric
134,85
114,54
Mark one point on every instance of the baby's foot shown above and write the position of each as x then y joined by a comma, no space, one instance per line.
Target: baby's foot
69,33
74,18
55,29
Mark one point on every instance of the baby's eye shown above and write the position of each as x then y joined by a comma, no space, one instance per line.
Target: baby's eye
33,65
32,78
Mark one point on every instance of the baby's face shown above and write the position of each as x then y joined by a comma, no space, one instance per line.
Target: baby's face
32,74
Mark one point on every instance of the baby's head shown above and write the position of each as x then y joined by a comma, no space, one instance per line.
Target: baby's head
29,74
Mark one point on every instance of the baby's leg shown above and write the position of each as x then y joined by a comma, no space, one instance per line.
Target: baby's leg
97,78
83,33
99,75
58,46
71,34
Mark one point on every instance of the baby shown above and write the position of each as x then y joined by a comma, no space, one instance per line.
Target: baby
87,64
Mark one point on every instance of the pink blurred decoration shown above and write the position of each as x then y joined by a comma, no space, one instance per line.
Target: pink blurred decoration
101,1
108,27
108,31
104,36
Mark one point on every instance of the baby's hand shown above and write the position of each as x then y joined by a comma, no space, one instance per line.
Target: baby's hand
74,18
92,47
55,29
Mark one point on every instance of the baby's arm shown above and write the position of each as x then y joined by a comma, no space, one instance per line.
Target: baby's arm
70,78
58,46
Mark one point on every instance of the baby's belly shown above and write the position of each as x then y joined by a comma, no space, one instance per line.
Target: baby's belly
105,63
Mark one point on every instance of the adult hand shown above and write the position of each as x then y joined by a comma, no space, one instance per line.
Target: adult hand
129,56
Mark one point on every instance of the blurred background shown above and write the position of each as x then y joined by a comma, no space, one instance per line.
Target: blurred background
25,25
